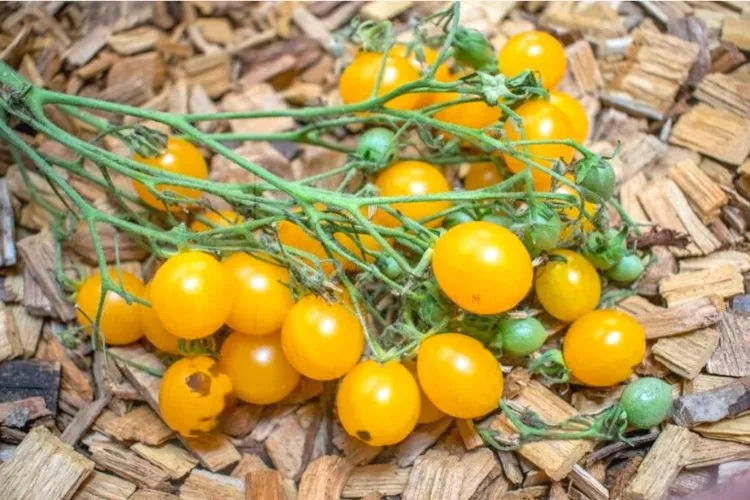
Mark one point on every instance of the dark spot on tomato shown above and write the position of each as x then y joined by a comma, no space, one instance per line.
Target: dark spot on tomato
364,435
214,369
199,383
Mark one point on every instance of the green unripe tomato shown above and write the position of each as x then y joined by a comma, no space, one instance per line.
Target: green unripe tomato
498,219
521,337
456,218
542,231
376,145
647,402
388,265
600,179
605,250
627,270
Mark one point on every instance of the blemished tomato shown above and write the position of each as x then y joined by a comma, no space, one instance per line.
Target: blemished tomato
119,322
259,371
262,299
154,331
428,412
180,157
536,51
193,395
571,214
542,121
292,235
322,341
471,259
358,80
459,375
646,402
443,73
602,347
409,178
378,404
567,290
575,112
191,294
215,219
477,114
482,175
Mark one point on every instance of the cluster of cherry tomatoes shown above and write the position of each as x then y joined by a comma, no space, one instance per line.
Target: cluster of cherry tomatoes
277,337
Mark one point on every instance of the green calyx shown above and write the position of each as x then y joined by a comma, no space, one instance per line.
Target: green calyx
542,229
605,250
472,48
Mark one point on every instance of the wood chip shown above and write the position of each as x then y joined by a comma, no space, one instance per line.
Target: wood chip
740,261
595,20
687,354
10,343
732,357
387,479
285,446
83,420
260,97
85,48
733,429
435,475
479,466
325,477
707,452
717,133
312,27
714,405
146,494
201,484
148,67
73,379
723,281
211,71
174,460
699,313
43,467
7,227
141,424
215,29
660,210
381,11
215,451
126,464
137,40
27,327
555,457
705,195
28,379
101,486
247,464
661,465
419,440
265,485
737,31
469,434
18,413
704,382
725,91
353,449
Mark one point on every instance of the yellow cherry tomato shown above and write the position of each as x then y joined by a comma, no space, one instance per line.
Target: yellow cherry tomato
460,376
575,112
443,73
192,295
477,114
215,220
482,175
471,259
571,214
358,80
357,244
567,290
180,157
378,404
542,121
322,341
602,347
262,297
193,395
410,178
428,412
154,331
259,371
536,51
119,324
292,235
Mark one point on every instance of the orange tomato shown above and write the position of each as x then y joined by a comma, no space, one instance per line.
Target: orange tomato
443,73
575,112
428,412
536,51
292,235
358,80
482,175
154,331
477,114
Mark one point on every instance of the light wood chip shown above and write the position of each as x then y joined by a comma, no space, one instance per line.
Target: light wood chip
381,11
725,91
325,477
28,328
387,479
732,429
469,434
479,466
658,470
687,354
265,485
704,194
740,261
101,486
259,97
717,133
285,446
732,357
247,464
707,452
737,31
137,40
10,343
141,424
126,464
435,475
686,317
723,281
174,460
353,449
43,467
211,71
147,494
703,382
419,440
658,206
201,484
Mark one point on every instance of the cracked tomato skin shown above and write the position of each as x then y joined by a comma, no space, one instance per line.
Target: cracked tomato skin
260,372
459,375
263,298
154,331
180,157
378,404
536,51
603,347
472,259
568,290
359,78
193,395
322,340
119,322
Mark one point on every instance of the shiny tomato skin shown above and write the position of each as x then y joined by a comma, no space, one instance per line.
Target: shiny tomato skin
459,375
378,404
259,371
541,121
292,235
428,412
411,178
359,78
193,396
192,295
262,297
322,341
602,347
536,51
215,220
154,331
567,290
119,321
471,259
575,112
476,115
180,157
482,175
